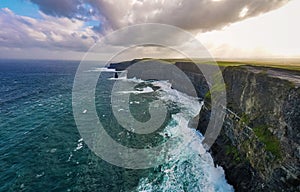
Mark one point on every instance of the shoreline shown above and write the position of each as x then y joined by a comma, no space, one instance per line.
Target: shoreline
258,145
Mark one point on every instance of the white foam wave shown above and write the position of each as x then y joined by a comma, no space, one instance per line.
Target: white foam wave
118,79
102,69
144,90
190,166
190,105
79,144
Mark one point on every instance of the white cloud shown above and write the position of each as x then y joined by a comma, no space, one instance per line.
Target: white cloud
200,15
62,29
274,34
48,32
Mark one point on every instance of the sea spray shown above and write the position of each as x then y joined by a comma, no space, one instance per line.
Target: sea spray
190,167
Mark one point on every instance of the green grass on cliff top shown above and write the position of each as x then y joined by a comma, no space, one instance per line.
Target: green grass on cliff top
290,64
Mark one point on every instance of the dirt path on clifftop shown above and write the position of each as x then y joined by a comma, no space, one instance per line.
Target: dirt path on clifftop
292,76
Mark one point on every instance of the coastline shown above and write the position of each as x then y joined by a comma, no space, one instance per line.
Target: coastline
259,143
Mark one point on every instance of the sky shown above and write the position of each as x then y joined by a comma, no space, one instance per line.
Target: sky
67,29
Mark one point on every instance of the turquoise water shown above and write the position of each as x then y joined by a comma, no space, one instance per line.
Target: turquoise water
42,150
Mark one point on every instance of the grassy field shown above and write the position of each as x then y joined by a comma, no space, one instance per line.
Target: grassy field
284,63
287,64
290,64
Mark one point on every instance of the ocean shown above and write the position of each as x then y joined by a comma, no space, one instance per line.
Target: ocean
41,148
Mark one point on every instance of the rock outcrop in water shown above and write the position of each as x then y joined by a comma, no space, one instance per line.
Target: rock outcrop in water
259,145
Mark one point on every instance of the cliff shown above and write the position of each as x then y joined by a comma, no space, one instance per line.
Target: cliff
258,146
259,143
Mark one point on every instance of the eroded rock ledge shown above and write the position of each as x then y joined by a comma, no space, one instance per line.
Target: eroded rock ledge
259,145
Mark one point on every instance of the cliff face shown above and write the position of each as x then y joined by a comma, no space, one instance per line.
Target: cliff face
262,141
259,145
